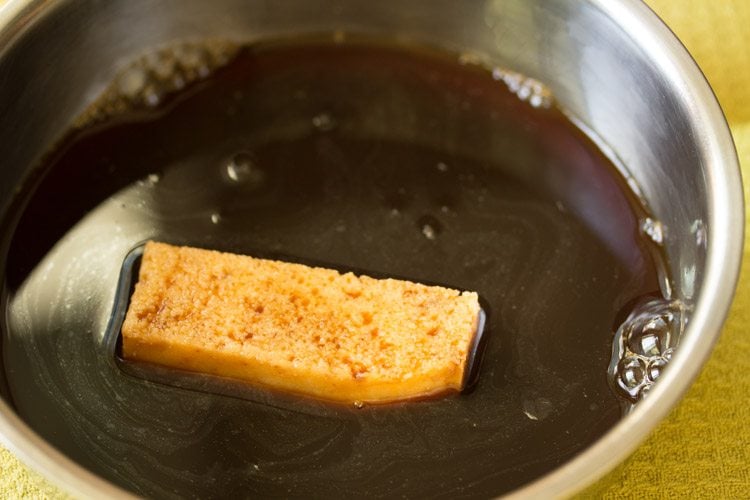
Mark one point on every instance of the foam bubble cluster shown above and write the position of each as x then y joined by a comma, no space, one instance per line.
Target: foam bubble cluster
644,345
148,80
527,89
653,229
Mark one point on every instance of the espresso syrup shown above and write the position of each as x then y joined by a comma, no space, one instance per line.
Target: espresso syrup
399,161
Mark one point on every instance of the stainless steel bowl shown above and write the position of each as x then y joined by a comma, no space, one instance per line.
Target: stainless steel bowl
612,64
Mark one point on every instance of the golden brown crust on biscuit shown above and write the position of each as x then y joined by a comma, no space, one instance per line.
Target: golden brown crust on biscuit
306,330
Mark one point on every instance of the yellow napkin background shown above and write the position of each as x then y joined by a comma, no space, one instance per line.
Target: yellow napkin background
702,450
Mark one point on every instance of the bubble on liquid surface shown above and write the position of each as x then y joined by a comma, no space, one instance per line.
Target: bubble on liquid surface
429,226
215,218
537,408
152,96
655,368
632,372
527,89
243,170
653,229
324,122
131,83
643,346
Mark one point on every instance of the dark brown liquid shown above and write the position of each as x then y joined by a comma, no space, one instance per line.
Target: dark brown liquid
397,162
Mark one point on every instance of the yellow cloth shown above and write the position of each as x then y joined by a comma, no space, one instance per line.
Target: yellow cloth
702,450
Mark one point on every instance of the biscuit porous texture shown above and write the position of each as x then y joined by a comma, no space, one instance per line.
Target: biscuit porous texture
305,330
